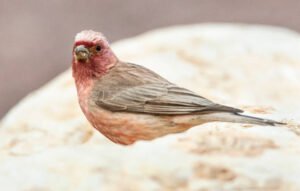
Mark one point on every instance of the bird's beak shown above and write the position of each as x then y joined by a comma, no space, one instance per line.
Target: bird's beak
81,53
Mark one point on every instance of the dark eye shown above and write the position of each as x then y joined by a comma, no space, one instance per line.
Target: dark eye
98,48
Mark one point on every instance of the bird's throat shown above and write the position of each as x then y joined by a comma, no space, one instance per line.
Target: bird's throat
83,72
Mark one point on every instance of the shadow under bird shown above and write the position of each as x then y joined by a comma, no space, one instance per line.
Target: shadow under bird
128,102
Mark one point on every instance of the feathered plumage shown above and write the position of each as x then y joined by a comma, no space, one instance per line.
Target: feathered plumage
127,102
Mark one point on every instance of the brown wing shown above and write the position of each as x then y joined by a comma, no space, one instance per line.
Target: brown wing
132,88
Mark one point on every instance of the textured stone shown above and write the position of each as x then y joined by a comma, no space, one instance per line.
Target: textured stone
46,143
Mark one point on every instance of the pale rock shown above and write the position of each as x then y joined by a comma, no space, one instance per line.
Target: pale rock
46,144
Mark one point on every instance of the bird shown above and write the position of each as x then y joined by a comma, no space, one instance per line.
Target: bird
127,102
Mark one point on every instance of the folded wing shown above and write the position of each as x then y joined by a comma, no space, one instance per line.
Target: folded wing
153,96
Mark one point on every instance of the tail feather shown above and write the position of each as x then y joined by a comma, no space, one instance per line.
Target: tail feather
257,120
239,118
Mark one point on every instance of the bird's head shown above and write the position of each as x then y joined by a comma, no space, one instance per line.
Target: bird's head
92,55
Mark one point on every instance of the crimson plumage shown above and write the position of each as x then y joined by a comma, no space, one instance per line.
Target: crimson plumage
128,102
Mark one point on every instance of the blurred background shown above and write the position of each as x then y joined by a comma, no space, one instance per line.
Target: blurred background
37,36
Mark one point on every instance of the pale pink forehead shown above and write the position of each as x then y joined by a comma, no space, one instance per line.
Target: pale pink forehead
89,35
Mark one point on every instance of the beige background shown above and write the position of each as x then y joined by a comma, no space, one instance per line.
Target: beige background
36,36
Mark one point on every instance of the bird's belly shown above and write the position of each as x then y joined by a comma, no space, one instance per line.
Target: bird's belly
126,128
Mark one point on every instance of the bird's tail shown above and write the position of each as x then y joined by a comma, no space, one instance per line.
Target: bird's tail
257,120
239,118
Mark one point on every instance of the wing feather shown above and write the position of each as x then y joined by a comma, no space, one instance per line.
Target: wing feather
133,88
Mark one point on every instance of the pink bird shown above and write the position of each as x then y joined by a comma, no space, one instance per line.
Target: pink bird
128,102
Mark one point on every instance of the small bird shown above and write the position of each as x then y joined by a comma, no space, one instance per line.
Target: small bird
128,102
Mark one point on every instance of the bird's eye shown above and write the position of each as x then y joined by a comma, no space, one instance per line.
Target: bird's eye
98,48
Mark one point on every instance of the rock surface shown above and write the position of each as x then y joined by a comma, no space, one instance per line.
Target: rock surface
46,144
